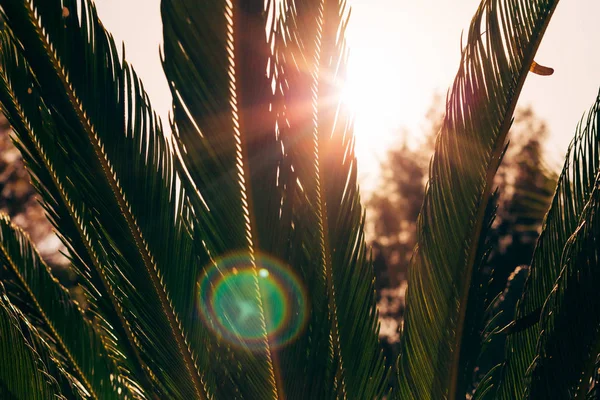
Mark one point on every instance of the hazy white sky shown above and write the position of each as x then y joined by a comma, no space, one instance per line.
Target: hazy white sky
401,53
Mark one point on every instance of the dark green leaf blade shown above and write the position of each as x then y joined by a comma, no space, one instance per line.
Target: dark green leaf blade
575,186
229,158
502,41
132,214
283,173
473,338
317,134
62,320
29,116
569,341
23,364
296,49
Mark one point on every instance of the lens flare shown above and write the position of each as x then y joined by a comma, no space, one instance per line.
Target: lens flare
230,306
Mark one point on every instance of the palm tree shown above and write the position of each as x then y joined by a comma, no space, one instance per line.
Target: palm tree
227,260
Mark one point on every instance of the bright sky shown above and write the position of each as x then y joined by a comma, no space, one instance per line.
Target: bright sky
402,52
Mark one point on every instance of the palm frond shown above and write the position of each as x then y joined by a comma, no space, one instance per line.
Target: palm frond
131,217
502,41
499,323
277,182
229,153
296,94
317,134
478,305
28,116
25,373
49,303
569,342
565,216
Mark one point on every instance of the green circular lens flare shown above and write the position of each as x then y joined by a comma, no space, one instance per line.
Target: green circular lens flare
231,307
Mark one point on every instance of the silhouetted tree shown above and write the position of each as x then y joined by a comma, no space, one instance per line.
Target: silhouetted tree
526,185
395,205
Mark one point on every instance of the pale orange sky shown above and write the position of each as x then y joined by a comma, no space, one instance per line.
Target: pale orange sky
402,52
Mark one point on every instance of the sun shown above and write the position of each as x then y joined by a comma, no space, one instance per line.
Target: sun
380,87
384,100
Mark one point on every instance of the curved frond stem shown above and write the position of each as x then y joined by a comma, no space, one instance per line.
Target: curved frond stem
322,216
243,172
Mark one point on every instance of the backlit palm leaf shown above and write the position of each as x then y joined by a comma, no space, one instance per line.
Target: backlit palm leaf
554,269
46,175
90,121
25,372
54,312
502,40
569,342
260,176
221,114
314,125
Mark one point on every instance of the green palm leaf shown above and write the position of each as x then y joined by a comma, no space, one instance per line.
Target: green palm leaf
553,268
25,372
138,248
569,343
223,131
502,41
46,175
476,318
57,315
317,133
500,314
277,182
297,50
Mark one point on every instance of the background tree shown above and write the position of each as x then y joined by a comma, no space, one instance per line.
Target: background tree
395,204
18,199
526,184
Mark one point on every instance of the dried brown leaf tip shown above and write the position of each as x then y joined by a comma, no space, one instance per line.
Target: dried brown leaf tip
540,69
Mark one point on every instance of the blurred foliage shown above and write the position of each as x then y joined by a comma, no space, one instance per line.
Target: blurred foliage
525,185
19,200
